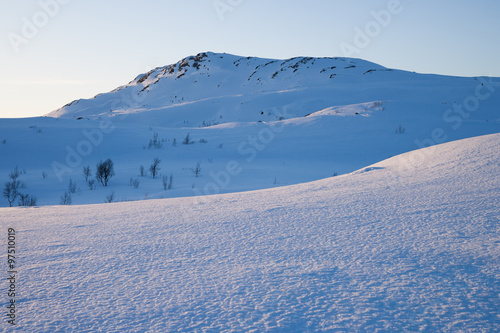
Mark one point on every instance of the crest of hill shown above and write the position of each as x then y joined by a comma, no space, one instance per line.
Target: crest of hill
211,76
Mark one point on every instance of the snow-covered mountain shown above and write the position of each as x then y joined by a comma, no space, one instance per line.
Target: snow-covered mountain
349,222
211,88
408,244
252,124
228,88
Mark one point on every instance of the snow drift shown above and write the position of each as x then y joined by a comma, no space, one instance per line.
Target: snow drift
407,244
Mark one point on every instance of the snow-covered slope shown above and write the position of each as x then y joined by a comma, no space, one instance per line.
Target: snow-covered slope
270,122
228,88
213,88
407,244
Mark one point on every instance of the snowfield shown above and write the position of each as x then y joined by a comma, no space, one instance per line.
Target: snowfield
407,244
275,122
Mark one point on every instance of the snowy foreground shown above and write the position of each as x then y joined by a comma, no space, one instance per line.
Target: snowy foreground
408,244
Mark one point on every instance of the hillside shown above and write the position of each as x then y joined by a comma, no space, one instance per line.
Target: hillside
225,88
252,123
407,244
213,88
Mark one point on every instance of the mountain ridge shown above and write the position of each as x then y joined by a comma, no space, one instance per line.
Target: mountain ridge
209,75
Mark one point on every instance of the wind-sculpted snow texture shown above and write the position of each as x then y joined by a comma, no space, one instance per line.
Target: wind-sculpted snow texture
408,244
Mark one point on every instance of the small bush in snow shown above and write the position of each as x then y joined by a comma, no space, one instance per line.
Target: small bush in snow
27,200
142,171
165,182
168,182
134,182
400,130
197,169
105,170
91,184
66,199
11,190
23,199
10,193
110,198
71,186
86,172
154,168
187,140
15,173
155,142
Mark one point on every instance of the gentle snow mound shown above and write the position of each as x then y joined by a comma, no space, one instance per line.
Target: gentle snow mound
410,244
364,109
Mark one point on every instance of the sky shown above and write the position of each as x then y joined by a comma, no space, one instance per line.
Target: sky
55,51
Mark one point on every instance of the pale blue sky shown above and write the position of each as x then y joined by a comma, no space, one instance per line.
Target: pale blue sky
89,47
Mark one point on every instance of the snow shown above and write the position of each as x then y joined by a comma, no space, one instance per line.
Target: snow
407,244
404,238
300,125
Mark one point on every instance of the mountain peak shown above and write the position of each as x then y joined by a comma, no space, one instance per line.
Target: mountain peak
210,75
